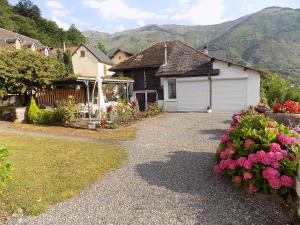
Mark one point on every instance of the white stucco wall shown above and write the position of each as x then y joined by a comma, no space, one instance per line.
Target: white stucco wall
249,81
234,71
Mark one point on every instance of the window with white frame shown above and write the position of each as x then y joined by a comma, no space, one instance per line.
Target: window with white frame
172,88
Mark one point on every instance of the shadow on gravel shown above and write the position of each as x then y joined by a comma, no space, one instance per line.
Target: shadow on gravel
212,197
214,134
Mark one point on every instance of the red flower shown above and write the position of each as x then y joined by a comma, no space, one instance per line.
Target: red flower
291,106
278,108
109,108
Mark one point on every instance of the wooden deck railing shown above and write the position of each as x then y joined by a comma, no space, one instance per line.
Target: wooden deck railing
50,97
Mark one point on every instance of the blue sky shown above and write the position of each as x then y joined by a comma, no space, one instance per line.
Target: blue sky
118,15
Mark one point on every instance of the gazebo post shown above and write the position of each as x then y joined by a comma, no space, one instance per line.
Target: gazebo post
87,83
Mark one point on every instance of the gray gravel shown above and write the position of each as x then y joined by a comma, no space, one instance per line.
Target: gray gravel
168,179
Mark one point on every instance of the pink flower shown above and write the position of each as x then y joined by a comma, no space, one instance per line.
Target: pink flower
230,129
270,173
278,156
275,183
223,164
266,159
260,155
252,157
274,147
287,140
240,161
284,153
224,138
247,175
286,181
252,188
217,169
248,164
248,143
231,164
270,123
224,155
237,179
276,165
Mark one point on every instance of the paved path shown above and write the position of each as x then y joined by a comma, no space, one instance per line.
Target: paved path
168,179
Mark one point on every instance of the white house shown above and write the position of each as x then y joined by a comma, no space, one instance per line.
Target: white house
89,61
184,79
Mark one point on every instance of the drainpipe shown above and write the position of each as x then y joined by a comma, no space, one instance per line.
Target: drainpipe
210,94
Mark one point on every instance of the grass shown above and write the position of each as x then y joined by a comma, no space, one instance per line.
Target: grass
47,171
119,134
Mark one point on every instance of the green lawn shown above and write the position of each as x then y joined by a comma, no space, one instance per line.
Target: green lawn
47,171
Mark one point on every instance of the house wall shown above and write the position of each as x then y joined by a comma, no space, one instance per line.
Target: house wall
233,71
85,66
89,65
18,44
119,57
249,80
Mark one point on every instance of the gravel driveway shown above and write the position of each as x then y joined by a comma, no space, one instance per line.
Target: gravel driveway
168,179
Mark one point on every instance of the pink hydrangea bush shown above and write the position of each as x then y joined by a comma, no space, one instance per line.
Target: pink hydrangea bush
259,154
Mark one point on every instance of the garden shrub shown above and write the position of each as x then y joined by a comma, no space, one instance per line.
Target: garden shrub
259,154
124,113
65,112
153,109
33,111
4,167
46,116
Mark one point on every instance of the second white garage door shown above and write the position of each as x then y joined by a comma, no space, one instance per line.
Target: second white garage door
192,96
229,95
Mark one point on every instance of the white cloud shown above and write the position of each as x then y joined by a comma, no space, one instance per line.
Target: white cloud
113,9
54,4
202,12
141,23
120,28
61,23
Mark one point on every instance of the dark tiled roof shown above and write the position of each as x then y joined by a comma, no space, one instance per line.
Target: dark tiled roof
9,37
186,61
183,60
98,54
150,57
128,54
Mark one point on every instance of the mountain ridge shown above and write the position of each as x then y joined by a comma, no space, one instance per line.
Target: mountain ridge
269,38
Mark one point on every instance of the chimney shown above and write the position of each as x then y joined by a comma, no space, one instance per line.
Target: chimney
205,50
166,55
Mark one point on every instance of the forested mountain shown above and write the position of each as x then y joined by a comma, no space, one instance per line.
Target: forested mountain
25,18
269,38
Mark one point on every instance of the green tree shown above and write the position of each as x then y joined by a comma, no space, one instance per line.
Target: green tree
74,37
274,88
24,71
28,9
67,60
101,47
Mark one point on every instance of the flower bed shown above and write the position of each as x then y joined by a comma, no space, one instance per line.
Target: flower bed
287,107
259,154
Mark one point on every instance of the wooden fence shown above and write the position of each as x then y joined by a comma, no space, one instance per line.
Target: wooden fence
50,97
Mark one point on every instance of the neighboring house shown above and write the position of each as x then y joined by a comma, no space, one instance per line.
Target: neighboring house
182,78
89,61
120,55
9,38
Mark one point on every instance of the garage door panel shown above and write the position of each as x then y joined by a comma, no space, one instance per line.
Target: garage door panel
192,95
229,95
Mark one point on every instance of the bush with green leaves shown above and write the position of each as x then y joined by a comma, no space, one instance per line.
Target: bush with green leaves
65,111
259,154
153,109
4,167
33,111
46,116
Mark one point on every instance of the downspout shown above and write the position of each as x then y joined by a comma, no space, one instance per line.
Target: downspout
210,94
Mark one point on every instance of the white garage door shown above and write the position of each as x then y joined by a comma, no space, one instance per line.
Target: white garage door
229,95
192,95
